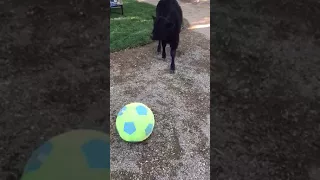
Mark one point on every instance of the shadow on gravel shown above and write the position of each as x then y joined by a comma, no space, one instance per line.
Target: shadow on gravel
265,89
53,74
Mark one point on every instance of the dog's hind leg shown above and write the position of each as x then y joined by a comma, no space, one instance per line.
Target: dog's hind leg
173,47
159,47
173,56
164,44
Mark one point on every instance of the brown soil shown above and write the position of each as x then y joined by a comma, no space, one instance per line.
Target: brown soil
265,89
53,74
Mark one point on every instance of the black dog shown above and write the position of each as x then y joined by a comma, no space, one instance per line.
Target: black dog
166,27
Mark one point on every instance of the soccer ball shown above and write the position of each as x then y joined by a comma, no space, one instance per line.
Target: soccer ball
79,155
135,122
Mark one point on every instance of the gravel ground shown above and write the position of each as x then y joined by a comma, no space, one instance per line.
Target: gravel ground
265,90
179,145
53,74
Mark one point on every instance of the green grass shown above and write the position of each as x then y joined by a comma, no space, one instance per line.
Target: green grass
133,28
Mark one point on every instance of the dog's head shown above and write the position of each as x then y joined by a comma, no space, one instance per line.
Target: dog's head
162,27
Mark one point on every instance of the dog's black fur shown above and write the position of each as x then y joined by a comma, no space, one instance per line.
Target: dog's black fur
167,26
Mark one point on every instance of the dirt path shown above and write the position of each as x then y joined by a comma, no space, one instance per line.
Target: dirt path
197,14
179,145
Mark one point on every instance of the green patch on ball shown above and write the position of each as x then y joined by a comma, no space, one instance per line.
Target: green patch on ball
135,122
78,155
